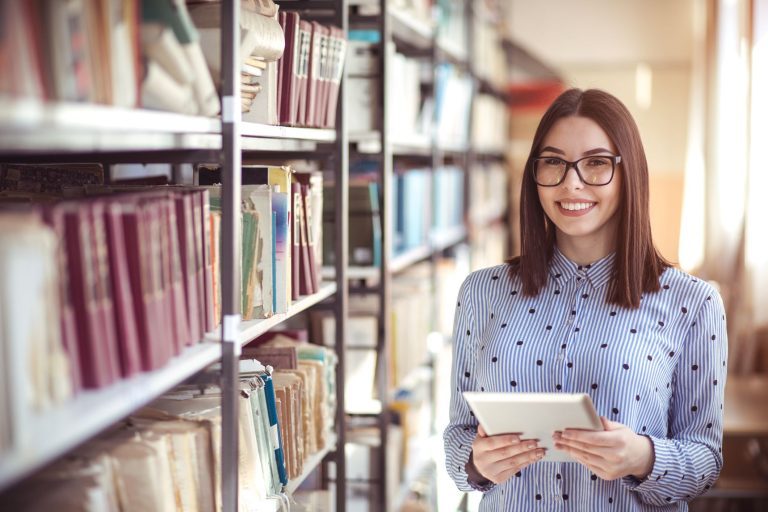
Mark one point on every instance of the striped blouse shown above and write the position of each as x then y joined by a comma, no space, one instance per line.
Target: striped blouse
659,369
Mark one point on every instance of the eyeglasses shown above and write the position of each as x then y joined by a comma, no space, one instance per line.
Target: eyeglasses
550,171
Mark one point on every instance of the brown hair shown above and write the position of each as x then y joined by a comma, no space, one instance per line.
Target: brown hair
638,265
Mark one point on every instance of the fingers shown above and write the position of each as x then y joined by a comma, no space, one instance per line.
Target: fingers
611,425
586,457
495,442
603,439
481,431
505,468
496,456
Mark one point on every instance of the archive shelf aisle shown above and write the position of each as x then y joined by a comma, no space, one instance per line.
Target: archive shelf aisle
416,40
72,132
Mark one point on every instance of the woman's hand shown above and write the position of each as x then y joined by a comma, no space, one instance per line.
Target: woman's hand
497,458
613,453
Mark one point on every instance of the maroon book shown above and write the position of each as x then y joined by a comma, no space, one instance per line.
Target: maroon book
203,213
54,217
289,96
302,72
296,220
125,317
85,238
142,255
185,227
173,276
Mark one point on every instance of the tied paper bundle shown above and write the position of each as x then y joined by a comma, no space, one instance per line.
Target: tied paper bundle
261,43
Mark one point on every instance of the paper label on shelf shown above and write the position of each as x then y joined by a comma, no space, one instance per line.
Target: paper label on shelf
228,111
230,324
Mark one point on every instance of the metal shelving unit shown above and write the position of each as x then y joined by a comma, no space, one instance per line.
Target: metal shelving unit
66,426
66,132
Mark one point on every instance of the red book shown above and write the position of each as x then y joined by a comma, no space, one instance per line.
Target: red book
54,217
142,256
289,95
307,181
295,240
189,267
173,275
281,70
203,214
313,75
325,74
309,265
302,73
125,317
91,297
337,64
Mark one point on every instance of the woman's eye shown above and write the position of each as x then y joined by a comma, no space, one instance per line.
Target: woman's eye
555,162
598,162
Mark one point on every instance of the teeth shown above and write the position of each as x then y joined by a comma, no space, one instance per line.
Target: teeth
576,206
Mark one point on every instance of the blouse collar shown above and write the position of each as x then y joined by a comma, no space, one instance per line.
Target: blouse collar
597,273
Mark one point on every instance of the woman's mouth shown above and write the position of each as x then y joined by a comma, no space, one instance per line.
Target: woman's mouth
575,208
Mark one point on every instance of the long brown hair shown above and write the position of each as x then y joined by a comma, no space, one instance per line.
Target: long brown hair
638,264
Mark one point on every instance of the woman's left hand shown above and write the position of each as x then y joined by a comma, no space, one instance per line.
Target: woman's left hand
613,453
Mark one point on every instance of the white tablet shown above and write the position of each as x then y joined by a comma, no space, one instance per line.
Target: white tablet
535,416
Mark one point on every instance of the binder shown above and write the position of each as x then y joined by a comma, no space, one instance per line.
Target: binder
276,436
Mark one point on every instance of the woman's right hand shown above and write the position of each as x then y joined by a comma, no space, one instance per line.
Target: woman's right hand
497,458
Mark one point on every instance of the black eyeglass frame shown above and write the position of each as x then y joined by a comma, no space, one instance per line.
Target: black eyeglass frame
615,160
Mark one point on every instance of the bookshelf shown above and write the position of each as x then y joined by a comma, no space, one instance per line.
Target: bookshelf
71,132
93,411
60,132
251,329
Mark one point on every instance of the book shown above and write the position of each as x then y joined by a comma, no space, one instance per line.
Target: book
260,33
336,68
260,199
312,197
125,317
20,56
34,369
174,14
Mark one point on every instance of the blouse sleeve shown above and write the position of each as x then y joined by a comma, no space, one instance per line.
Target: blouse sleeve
688,461
462,426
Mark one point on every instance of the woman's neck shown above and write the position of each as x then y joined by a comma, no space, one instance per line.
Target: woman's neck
585,250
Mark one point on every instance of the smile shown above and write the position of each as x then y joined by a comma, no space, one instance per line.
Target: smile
574,207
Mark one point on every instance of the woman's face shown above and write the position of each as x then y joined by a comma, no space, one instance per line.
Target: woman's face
583,214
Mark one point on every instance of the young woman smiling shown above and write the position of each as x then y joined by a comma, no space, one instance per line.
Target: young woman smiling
590,307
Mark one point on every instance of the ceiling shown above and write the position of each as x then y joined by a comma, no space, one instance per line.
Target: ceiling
568,34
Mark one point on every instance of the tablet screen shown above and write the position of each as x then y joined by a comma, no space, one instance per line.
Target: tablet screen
534,415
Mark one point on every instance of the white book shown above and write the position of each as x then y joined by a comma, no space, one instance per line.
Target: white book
34,371
264,107
160,91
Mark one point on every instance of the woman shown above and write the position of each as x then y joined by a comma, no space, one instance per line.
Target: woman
590,307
